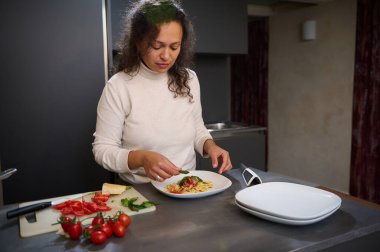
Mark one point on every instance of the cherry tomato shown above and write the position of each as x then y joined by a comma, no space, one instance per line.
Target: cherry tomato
104,208
124,219
91,206
78,213
99,219
67,210
118,229
100,197
65,222
174,190
98,237
75,230
76,205
190,181
110,222
88,231
98,201
106,228
60,206
80,208
87,211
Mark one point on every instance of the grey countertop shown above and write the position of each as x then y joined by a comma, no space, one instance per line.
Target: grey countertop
253,129
213,223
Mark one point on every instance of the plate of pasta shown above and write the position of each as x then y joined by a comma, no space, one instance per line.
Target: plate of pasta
195,184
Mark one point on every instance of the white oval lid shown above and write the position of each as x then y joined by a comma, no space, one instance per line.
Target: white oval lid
288,200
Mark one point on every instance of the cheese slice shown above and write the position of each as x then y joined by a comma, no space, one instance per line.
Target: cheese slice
113,188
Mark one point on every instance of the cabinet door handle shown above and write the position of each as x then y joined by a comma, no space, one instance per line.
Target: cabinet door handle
7,173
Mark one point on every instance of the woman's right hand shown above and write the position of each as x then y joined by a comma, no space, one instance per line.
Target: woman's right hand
156,166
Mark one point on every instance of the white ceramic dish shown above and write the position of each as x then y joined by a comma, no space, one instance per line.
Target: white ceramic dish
283,220
220,182
288,200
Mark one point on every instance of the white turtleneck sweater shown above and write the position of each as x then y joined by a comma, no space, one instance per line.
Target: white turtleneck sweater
140,113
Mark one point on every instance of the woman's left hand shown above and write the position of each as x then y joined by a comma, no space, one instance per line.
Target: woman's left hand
219,157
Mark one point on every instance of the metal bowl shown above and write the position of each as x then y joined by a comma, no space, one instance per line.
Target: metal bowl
220,126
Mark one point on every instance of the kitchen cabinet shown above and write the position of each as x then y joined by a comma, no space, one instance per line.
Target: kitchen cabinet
220,25
221,29
213,75
244,146
53,72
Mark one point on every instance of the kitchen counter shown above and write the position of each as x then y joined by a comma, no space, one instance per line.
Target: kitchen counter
214,223
233,129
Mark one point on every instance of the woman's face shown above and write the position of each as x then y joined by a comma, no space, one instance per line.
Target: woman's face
164,50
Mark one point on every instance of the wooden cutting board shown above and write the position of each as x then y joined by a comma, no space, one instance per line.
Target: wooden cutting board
46,217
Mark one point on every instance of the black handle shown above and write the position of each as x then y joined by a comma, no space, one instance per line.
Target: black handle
27,209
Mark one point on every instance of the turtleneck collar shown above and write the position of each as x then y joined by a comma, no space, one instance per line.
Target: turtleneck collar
147,73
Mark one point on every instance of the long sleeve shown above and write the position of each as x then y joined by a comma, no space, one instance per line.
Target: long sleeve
139,112
107,147
201,133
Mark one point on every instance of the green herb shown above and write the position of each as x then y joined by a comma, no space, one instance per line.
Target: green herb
184,172
128,187
183,180
130,203
196,178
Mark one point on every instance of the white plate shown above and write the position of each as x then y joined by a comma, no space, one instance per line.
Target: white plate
220,182
288,200
283,220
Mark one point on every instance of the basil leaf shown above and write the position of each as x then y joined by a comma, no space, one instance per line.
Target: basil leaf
184,172
197,178
183,180
124,202
147,204
130,203
133,199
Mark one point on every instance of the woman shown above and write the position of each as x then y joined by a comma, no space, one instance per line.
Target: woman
149,116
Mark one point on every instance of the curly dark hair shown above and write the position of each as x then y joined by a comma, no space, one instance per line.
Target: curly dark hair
142,21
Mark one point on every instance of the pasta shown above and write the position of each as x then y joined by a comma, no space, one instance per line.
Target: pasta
190,184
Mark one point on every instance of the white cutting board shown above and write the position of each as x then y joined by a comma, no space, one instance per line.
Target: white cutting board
46,217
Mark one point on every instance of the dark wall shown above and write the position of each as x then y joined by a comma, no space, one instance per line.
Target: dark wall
221,30
220,25
213,75
116,10
52,77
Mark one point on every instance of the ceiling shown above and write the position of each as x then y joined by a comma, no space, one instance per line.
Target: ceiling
272,2
263,2
259,8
